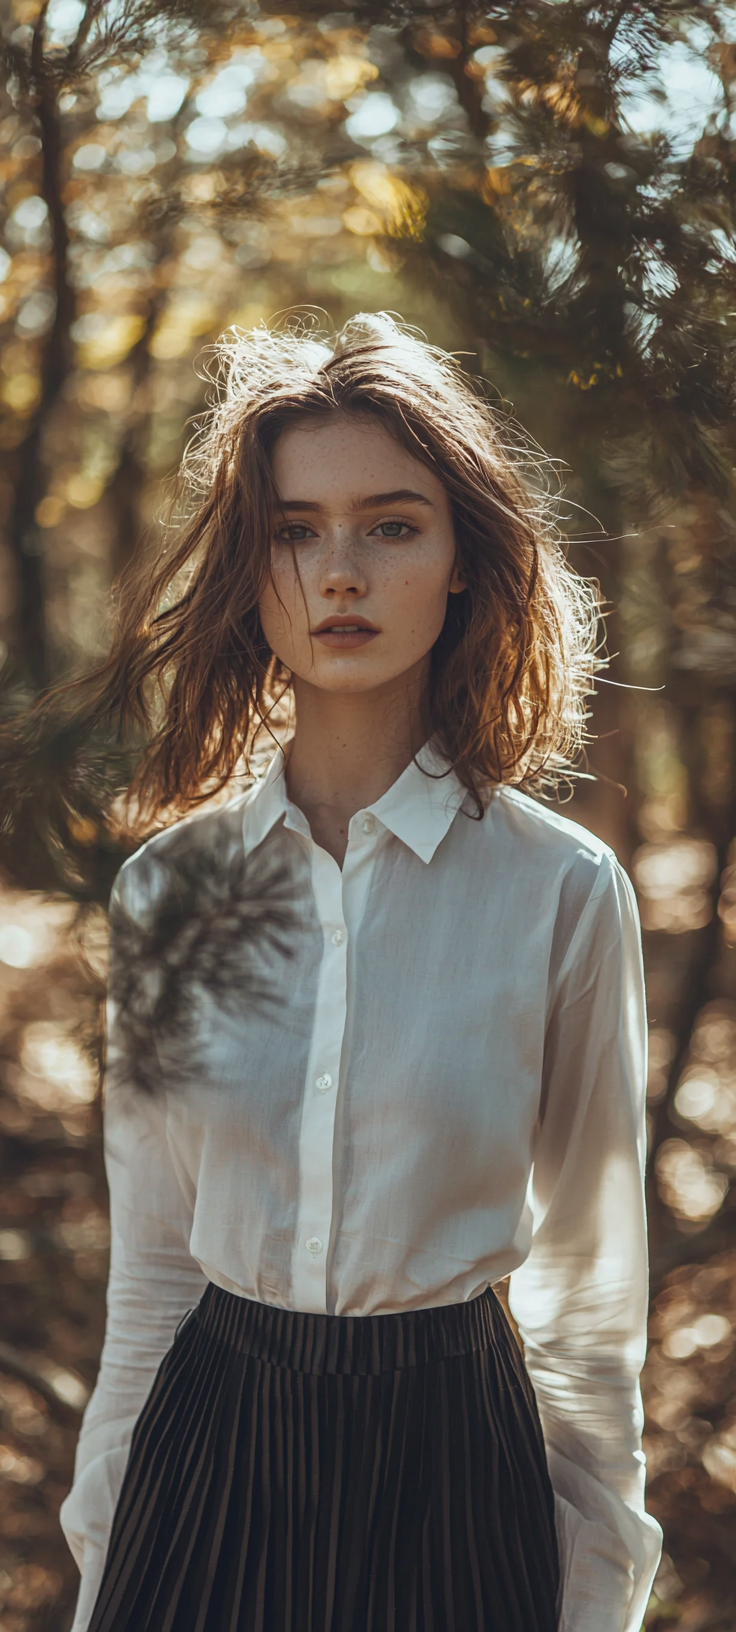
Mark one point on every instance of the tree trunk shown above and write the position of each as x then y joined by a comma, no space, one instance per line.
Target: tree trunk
31,654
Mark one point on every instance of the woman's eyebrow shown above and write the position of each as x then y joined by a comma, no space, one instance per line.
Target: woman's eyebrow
401,495
372,501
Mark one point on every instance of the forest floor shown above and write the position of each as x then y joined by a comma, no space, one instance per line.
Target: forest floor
53,1267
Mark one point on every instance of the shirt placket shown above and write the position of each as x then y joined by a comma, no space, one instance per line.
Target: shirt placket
309,1270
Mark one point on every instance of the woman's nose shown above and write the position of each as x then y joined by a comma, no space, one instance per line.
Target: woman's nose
342,571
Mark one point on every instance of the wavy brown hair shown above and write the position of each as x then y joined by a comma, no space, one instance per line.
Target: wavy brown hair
513,665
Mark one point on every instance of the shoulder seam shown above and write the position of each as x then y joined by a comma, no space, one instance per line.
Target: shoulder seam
560,823
602,884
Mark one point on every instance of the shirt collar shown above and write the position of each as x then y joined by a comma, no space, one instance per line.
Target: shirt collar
422,804
419,808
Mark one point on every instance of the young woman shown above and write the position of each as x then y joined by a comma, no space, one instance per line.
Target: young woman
311,1413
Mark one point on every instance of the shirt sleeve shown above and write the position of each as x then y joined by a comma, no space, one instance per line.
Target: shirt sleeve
153,1282
580,1298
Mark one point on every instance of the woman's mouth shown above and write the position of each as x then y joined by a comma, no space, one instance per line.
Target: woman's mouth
345,634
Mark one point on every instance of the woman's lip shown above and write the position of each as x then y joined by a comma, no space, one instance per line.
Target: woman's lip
342,640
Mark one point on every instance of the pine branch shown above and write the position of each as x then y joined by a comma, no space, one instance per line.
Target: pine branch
59,779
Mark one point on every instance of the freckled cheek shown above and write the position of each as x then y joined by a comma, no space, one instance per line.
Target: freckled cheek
284,617
289,590
418,601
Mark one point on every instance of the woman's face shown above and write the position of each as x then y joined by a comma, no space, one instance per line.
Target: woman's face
363,557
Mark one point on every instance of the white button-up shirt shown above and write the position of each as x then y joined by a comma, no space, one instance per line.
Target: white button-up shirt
449,1090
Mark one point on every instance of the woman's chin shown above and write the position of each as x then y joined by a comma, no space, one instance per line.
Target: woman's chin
347,674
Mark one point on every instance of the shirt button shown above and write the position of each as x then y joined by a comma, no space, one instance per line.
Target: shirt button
368,824
338,937
324,1083
314,1245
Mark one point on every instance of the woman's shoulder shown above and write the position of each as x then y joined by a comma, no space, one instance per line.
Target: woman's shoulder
544,825
539,835
569,872
214,831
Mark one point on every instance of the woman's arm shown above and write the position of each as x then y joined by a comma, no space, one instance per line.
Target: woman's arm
153,1282
580,1299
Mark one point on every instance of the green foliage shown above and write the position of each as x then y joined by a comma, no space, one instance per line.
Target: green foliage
598,254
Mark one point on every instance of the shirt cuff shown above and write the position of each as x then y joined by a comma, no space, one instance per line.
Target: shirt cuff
608,1553
93,1564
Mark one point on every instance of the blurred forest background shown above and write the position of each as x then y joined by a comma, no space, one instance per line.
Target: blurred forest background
549,187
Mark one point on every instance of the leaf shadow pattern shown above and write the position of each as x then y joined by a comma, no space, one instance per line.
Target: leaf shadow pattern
213,937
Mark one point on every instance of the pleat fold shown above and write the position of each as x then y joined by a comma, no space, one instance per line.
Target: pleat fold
315,1473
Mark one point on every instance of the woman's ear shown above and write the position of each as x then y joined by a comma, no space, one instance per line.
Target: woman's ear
457,581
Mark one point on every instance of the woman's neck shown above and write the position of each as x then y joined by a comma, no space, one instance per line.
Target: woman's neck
347,751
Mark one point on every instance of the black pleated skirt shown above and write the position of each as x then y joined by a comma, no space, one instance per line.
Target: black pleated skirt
318,1473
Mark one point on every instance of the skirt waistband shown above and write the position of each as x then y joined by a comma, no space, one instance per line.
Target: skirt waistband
350,1345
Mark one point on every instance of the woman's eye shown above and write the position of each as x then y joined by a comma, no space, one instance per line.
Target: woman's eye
294,533
395,529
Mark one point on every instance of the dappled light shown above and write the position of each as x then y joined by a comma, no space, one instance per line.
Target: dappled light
549,190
